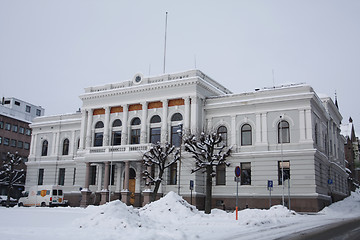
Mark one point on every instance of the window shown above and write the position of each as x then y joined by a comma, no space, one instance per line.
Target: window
28,132
285,165
61,179
28,108
38,112
221,174
99,124
155,119
135,132
222,131
14,128
6,141
44,148
116,138
117,123
13,143
0,140
98,140
246,135
155,135
316,134
283,132
20,144
7,102
172,174
1,124
176,135
176,117
92,175
74,176
245,173
65,150
7,126
26,146
21,130
17,103
41,176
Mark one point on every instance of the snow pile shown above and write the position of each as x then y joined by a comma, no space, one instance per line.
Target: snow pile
170,209
349,207
113,215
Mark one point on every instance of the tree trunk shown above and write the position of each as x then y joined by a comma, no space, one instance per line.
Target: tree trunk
157,186
208,193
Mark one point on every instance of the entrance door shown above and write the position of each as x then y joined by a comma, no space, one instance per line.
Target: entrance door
132,191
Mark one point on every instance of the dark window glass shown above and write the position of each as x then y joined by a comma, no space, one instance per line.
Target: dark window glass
135,136
283,132
41,176
74,176
155,119
116,138
6,141
285,165
155,135
28,132
61,179
7,102
135,121
38,112
172,174
13,143
28,108
26,146
176,117
1,124
60,192
20,144
14,128
245,173
223,132
44,149
117,123
176,135
7,126
246,135
99,124
0,140
221,174
65,150
21,130
55,192
92,175
17,103
98,140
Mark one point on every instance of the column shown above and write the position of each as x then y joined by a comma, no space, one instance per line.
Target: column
194,115
87,176
187,116
33,144
264,128
209,125
124,134
105,190
125,194
72,144
53,148
118,177
302,129
308,125
233,131
100,176
164,122
106,127
258,129
143,134
88,129
85,193
82,129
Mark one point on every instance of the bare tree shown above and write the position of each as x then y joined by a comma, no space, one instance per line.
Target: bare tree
158,156
9,174
208,154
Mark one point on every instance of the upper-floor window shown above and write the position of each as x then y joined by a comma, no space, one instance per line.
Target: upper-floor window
316,134
21,130
176,117
65,150
283,132
99,134
99,124
176,129
117,123
28,132
155,129
116,132
38,112
246,135
155,119
1,124
135,131
14,128
222,131
44,149
7,126
28,109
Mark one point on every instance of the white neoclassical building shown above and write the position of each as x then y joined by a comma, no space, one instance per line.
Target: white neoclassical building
96,153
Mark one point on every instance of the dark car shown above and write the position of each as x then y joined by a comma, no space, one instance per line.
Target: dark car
3,200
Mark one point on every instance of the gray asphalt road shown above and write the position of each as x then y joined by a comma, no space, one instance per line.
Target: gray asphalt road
342,230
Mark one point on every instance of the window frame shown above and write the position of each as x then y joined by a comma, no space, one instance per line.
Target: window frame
224,135
283,132
66,146
245,173
44,148
246,135
220,175
286,170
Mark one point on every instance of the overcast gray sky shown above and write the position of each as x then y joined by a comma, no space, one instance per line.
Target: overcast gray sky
51,50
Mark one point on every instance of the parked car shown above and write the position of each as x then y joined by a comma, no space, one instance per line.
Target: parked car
44,196
3,200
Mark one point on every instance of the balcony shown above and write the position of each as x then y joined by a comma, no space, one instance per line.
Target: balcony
121,148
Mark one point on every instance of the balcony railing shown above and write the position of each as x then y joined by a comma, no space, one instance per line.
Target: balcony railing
121,148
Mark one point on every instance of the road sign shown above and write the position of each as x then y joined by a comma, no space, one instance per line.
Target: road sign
237,171
330,181
191,184
270,184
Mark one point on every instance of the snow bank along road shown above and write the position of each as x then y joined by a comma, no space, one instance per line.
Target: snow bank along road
168,218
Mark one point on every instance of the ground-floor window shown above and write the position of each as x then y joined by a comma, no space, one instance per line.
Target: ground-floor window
245,173
61,179
41,176
172,176
92,180
283,166
221,174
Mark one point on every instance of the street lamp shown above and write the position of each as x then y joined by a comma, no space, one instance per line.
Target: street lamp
282,161
179,131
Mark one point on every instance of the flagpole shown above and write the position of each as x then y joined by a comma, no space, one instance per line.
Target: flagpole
165,41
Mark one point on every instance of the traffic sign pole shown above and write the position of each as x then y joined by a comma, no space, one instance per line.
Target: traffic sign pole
237,176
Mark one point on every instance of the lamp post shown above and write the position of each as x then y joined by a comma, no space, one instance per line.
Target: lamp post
179,131
282,161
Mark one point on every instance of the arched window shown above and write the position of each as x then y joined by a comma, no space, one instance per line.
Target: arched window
99,124
155,119
283,132
246,135
116,132
135,131
99,134
117,123
65,150
176,117
155,129
44,148
222,131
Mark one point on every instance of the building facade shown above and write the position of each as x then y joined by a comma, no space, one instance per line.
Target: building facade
15,133
96,154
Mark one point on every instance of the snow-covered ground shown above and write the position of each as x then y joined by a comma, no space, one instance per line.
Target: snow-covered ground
168,218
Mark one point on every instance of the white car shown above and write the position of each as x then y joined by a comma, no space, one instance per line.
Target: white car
44,196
